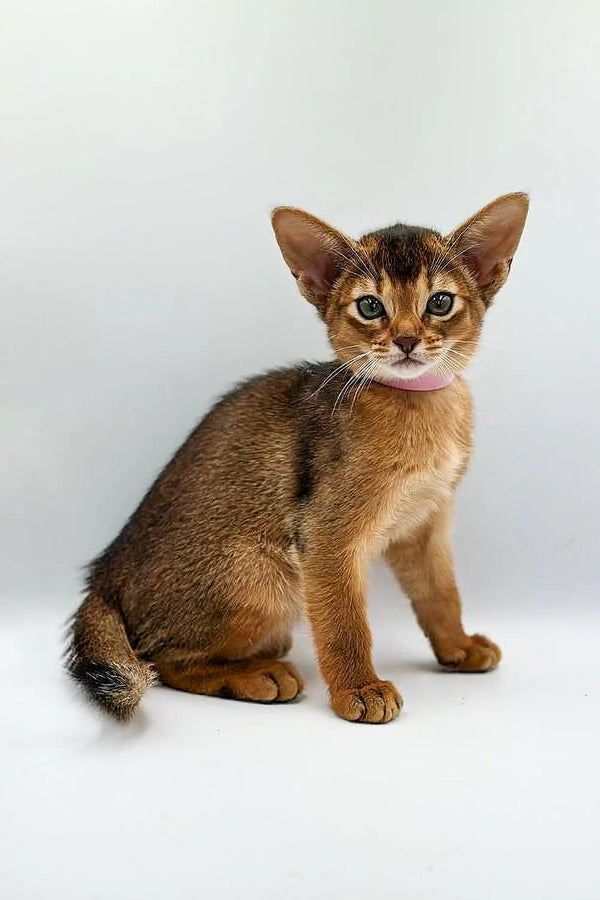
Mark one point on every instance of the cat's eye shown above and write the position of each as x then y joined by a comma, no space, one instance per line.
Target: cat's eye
370,307
440,303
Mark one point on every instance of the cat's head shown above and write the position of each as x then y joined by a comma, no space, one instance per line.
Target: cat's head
403,301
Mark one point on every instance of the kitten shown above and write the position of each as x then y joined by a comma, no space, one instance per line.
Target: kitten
296,480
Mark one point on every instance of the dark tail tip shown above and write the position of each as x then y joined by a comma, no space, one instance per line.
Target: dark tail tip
99,658
107,686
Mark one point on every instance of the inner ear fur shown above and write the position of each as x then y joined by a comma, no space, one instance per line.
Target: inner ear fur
315,252
487,242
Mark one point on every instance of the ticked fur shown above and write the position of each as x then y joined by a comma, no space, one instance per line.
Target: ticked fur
293,483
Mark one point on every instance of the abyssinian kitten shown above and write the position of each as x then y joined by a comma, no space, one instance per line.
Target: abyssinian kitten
295,481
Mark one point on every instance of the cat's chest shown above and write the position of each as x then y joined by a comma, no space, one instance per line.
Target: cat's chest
413,494
421,445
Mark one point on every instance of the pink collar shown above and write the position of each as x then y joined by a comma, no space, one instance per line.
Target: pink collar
430,381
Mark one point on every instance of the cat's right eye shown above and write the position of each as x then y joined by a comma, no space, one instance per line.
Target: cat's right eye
370,307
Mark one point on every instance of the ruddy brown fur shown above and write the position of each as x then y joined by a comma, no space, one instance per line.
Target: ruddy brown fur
294,482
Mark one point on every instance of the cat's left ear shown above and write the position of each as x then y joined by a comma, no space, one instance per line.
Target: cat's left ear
487,241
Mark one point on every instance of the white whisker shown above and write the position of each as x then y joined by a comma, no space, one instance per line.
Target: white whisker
448,249
344,365
366,382
356,377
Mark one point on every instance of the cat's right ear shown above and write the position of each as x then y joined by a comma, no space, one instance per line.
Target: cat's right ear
315,252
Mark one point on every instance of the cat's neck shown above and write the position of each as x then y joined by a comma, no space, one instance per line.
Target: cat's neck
429,381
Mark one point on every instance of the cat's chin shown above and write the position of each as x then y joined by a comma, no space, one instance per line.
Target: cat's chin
407,368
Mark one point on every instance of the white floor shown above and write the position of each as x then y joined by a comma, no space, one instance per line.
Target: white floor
486,787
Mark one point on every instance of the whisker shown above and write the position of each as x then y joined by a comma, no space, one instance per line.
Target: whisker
355,377
340,368
349,347
364,261
457,353
444,368
444,269
451,367
447,250
356,260
366,382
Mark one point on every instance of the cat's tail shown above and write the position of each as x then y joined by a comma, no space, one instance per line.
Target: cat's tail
100,658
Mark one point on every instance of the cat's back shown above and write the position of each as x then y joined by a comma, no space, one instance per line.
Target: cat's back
242,465
254,433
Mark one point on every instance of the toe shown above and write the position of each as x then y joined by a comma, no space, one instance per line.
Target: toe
289,683
348,705
485,642
374,706
478,659
258,687
293,671
393,705
480,655
374,703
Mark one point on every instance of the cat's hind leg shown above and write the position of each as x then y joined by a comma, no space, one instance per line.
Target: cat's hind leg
276,647
258,679
261,602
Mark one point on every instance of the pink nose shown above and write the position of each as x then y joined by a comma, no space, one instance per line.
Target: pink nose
406,342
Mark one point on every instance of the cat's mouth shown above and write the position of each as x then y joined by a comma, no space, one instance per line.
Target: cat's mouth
408,363
409,366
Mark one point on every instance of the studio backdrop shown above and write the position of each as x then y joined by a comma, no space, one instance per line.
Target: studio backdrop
140,277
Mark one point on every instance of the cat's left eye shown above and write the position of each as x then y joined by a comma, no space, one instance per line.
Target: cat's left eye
440,303
370,307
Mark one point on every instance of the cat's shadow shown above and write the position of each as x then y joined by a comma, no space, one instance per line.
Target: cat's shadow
411,667
114,734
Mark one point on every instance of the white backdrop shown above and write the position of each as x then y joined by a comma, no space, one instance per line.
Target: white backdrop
143,147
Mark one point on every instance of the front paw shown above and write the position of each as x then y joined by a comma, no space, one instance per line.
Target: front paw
377,703
480,655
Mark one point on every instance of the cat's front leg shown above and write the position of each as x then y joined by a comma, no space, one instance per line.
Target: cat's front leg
423,565
335,603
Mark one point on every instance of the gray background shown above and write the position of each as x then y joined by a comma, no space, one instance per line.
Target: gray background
143,146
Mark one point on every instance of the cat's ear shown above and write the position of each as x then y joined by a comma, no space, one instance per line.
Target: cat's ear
315,252
488,241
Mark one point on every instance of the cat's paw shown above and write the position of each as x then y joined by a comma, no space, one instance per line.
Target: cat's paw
481,655
263,682
376,703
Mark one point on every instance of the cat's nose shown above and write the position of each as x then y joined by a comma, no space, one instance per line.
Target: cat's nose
406,342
